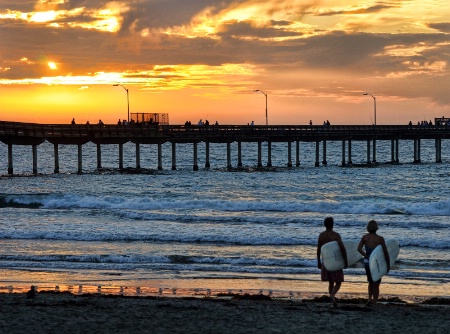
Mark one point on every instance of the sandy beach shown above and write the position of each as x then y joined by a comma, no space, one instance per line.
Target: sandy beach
64,312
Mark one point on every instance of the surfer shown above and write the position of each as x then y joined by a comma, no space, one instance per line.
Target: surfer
334,278
370,241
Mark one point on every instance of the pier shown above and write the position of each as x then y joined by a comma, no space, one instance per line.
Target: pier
31,134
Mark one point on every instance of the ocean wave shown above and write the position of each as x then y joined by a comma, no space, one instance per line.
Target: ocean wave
209,269
163,238
140,204
160,259
238,237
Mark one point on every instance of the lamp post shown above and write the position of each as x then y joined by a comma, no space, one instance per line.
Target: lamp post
374,159
128,99
374,107
257,90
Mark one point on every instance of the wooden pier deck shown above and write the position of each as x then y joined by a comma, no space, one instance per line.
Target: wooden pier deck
14,133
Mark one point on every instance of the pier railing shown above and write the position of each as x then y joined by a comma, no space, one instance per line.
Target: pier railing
29,133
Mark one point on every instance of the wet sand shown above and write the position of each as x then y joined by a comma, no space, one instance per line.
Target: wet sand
64,312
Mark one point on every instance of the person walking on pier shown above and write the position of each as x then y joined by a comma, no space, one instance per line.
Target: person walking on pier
334,278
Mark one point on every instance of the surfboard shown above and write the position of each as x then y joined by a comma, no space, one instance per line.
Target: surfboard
332,257
377,262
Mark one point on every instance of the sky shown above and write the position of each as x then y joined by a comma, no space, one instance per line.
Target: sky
204,59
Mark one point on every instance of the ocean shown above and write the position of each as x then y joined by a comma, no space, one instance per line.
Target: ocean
217,230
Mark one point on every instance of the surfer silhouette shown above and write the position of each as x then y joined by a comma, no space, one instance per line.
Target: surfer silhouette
334,278
370,241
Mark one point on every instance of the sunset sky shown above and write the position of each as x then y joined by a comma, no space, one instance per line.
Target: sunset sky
204,59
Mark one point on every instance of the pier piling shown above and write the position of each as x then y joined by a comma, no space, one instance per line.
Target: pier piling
29,134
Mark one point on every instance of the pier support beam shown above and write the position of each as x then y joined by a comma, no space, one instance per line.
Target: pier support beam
229,155
10,159
34,150
56,154
417,151
269,154
317,164
160,157
80,158
239,154
396,151
174,156
120,156
289,164
297,153
343,153
374,153
138,156
392,151
324,149
207,164
438,146
259,155
195,168
99,156
350,162
368,152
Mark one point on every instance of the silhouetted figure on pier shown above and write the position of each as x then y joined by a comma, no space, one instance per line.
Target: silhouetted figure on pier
73,121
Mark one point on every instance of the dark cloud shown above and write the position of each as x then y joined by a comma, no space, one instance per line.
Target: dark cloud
157,14
443,26
368,10
81,51
17,5
246,29
88,4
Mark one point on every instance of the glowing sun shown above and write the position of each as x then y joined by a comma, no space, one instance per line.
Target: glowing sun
52,65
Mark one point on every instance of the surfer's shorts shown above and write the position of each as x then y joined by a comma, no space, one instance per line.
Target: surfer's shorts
369,275
332,276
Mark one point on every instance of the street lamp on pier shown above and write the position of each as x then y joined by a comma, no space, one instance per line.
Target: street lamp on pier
374,107
128,100
257,90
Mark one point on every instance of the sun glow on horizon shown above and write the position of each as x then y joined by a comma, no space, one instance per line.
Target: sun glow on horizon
189,59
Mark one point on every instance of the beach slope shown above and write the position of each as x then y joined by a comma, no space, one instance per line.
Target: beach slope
91,313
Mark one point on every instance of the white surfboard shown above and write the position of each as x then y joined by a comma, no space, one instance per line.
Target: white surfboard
377,262
332,257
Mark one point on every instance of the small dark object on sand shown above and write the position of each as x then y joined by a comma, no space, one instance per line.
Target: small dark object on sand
32,292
